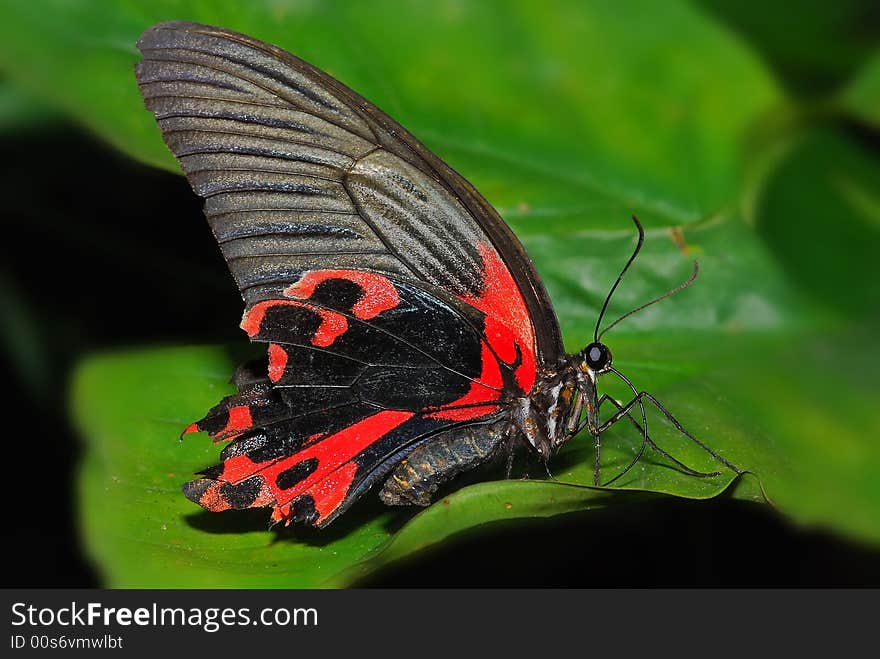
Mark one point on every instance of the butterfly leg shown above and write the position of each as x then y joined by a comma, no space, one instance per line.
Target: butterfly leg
512,443
511,454
647,441
418,476
624,410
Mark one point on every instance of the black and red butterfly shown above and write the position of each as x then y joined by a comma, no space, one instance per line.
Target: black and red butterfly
409,337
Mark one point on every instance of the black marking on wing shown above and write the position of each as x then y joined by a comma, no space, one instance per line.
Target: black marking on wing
372,359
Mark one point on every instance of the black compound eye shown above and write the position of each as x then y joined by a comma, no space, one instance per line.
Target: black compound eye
597,356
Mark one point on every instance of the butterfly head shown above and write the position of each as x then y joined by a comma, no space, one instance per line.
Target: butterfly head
597,358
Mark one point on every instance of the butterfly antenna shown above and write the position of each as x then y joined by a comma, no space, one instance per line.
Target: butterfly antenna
632,258
680,287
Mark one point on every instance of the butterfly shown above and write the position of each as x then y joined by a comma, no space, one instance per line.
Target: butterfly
408,335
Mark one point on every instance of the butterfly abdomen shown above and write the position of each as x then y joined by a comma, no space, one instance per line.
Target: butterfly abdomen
418,476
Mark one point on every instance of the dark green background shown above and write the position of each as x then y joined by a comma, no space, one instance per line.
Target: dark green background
743,134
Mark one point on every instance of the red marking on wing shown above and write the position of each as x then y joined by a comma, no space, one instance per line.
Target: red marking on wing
277,361
330,481
333,324
463,413
379,294
212,499
330,492
490,375
507,321
327,494
239,419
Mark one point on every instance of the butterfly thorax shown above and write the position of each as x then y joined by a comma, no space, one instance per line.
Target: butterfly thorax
548,417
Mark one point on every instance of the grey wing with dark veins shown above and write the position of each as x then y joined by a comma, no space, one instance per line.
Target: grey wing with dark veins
299,172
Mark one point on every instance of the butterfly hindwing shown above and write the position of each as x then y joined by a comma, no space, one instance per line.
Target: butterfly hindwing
360,369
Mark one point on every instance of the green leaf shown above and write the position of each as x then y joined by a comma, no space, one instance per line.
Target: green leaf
829,184
20,111
862,96
568,116
817,53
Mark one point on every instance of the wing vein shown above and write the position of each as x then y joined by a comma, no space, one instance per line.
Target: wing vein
242,257
234,133
287,102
